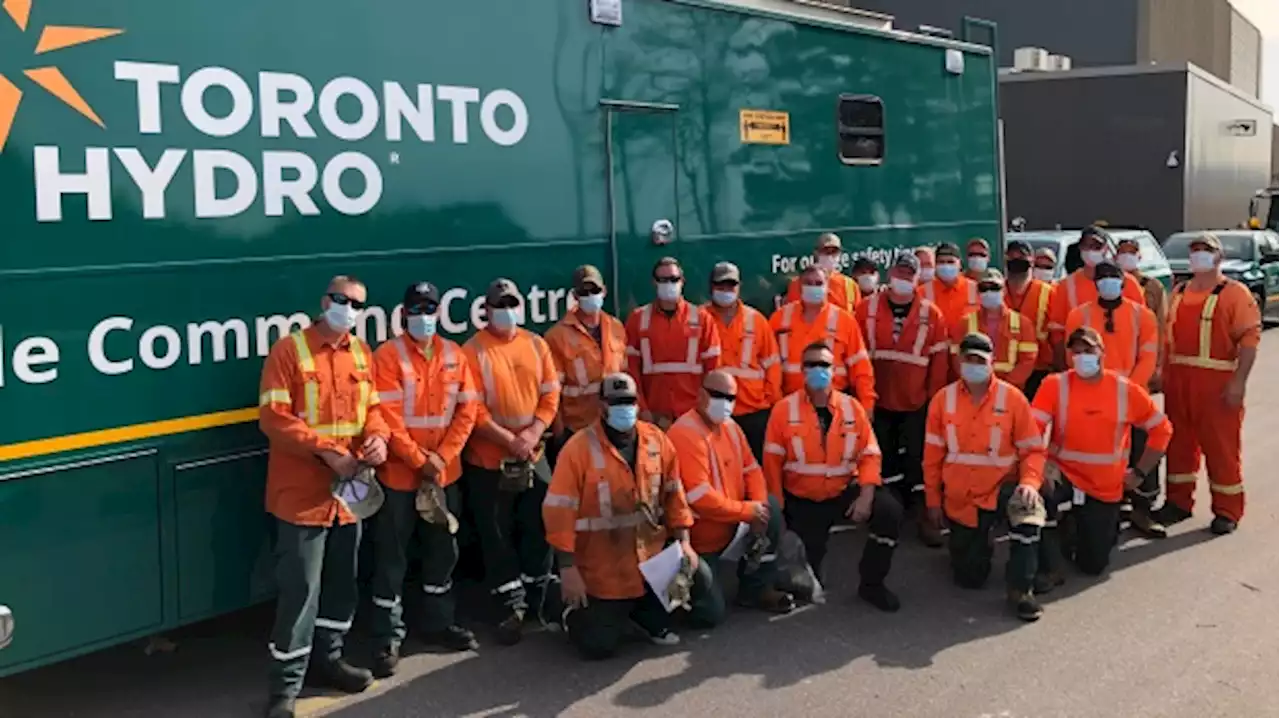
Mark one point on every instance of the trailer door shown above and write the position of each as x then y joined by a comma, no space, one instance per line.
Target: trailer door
641,154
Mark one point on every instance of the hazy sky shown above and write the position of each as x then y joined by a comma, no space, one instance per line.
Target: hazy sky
1266,15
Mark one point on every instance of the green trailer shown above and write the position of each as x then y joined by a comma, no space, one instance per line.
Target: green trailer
179,180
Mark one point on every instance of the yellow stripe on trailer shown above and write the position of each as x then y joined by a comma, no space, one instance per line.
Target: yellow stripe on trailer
132,432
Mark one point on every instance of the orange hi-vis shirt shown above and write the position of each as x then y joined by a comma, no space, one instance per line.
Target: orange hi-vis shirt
1033,303
518,384
720,478
840,331
972,448
910,369
749,351
314,396
842,291
429,401
1130,349
667,356
582,363
1091,420
800,460
953,300
1075,289
593,508
1014,341
1208,329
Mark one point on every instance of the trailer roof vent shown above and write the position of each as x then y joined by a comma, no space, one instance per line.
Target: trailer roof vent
934,31
1059,63
1031,59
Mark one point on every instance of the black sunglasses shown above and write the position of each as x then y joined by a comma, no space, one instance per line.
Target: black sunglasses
624,401
588,291
340,298
667,280
506,303
817,364
422,309
721,395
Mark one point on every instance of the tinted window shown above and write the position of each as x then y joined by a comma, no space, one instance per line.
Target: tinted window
860,128
1148,250
1234,245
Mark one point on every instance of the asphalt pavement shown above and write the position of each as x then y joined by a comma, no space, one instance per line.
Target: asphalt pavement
1181,627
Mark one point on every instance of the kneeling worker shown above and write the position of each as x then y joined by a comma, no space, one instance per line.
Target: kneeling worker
1092,411
821,455
615,499
983,457
725,486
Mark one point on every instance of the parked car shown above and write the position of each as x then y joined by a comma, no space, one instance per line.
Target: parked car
1151,260
1251,256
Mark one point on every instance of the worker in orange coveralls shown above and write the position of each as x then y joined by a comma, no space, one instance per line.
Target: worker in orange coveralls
1214,329
1011,333
1028,294
1079,287
842,290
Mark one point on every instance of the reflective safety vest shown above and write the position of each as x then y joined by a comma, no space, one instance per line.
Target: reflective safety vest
582,363
311,403
667,357
720,478
1131,345
1007,353
840,331
596,509
910,369
1038,314
749,353
948,298
799,459
518,385
1195,346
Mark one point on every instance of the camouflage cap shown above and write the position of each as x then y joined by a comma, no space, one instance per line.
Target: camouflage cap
1026,512
618,385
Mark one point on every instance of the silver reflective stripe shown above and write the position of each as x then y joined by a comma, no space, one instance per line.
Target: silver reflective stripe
604,497
691,365
1071,292
1030,442
289,656
584,390
332,625
885,540
387,603
698,492
396,395
775,449
784,338
408,377
437,590
1042,415
871,326
748,339
1024,539
833,321
1153,422
509,586
850,441
934,439
905,358
580,371
560,501
608,523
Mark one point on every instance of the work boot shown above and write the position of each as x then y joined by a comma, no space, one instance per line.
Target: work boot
1024,603
1171,514
930,535
511,630
385,662
280,707
880,597
1047,581
339,675
1145,524
1222,525
454,638
773,601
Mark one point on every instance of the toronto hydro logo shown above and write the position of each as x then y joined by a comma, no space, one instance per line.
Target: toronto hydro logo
223,182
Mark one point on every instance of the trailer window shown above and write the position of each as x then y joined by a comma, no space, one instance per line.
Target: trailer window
860,124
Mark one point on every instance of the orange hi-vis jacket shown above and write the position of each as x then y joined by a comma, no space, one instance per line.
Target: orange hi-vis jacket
582,363
314,396
971,449
1207,330
749,351
593,507
720,478
840,331
801,461
1130,350
953,300
1091,421
1033,303
913,368
1075,289
842,291
667,356
1015,343
429,401
518,384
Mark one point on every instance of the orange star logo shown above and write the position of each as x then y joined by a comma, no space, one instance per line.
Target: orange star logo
49,77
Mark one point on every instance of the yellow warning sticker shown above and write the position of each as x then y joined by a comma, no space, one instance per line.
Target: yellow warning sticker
764,127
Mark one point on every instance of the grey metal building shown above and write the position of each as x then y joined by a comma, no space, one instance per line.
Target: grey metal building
1209,33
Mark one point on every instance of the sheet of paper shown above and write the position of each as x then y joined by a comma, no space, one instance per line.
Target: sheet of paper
738,546
659,570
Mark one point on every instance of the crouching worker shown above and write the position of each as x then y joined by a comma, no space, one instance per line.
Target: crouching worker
822,461
1092,411
614,501
983,459
725,486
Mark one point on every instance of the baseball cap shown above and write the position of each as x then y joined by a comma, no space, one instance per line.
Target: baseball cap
1026,512
828,240
907,260
1210,239
1047,253
1127,240
499,289
863,264
725,272
618,386
1086,335
1095,233
977,242
1019,245
587,275
978,344
1107,269
991,276
420,293
947,250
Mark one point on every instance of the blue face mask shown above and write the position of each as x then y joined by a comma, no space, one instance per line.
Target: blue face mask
724,299
622,417
813,295
817,377
421,326
502,318
1086,365
592,303
948,272
1109,288
975,373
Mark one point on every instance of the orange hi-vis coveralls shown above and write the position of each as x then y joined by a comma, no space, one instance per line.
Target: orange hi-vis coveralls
1206,333
429,401
593,507
518,384
667,356
910,368
720,478
1033,303
1075,289
839,330
1130,349
582,363
954,300
842,291
749,352
1014,342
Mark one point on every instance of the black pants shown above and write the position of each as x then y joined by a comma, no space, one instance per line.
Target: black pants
517,558
753,426
1082,530
597,628
971,549
1034,381
902,472
812,522
1142,497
